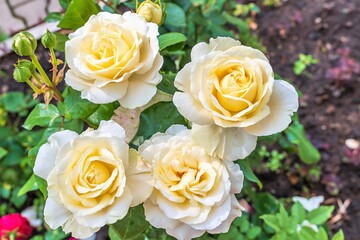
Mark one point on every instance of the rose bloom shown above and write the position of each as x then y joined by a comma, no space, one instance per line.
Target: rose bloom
92,178
114,57
193,192
229,93
14,223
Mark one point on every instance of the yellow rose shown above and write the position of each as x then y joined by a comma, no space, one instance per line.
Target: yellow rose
115,57
193,192
229,93
92,179
151,11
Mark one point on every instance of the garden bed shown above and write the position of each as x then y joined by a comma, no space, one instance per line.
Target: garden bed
330,113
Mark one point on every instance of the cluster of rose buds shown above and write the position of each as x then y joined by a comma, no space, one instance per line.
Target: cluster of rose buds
31,72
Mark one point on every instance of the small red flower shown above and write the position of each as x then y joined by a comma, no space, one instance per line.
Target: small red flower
14,224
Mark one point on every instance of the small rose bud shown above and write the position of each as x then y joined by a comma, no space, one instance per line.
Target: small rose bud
152,12
23,71
48,39
24,44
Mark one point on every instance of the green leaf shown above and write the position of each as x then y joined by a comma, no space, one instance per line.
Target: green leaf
339,235
307,152
16,102
3,117
60,41
248,172
167,83
75,125
29,186
320,215
42,184
242,223
172,41
253,233
131,227
272,221
17,200
298,211
3,152
158,118
53,17
57,234
29,139
283,217
76,107
306,233
64,3
104,112
280,236
42,116
299,67
321,234
265,203
77,14
175,15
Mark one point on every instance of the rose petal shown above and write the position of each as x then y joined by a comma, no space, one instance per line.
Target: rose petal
55,220
234,213
140,92
217,44
283,103
45,160
229,144
138,179
196,113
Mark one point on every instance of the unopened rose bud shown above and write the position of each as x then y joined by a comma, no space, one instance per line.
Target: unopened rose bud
48,39
152,12
23,71
24,44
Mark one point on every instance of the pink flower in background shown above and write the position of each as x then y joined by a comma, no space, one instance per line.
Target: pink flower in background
14,223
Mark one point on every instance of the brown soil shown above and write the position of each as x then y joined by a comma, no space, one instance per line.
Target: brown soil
331,98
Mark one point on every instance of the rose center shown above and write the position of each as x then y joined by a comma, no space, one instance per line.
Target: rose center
97,173
236,88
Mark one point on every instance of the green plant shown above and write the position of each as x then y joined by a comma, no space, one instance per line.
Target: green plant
14,144
299,223
303,62
271,3
275,160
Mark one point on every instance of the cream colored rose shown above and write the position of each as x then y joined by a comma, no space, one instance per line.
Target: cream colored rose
229,89
193,192
92,178
115,57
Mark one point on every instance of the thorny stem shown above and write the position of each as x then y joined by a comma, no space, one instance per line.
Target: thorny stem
46,78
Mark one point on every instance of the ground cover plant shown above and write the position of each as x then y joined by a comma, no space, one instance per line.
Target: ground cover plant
192,144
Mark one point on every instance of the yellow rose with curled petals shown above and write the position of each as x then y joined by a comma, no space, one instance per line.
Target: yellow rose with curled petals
114,57
229,93
193,192
92,179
